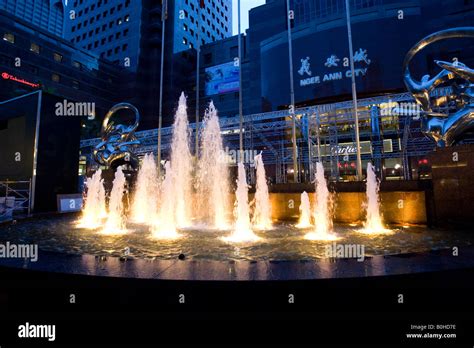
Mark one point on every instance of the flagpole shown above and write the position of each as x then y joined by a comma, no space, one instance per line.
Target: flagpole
354,91
241,116
164,14
198,79
292,96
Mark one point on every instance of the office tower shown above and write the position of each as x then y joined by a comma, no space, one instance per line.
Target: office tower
46,14
205,20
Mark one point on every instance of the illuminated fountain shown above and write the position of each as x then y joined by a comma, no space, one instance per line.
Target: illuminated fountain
165,226
305,212
145,198
373,223
116,220
322,213
181,166
242,229
213,180
262,219
94,210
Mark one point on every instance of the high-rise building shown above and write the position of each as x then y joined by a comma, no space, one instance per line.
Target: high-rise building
129,33
114,29
205,20
39,72
110,29
46,14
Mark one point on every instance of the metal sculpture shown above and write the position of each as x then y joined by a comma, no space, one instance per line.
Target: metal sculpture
118,140
457,109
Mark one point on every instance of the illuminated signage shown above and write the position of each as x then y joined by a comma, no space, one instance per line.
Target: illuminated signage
347,149
333,61
7,76
223,78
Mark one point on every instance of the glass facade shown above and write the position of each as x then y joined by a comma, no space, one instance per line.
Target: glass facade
201,21
45,14
110,29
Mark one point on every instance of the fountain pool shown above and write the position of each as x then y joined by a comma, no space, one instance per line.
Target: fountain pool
195,211
283,242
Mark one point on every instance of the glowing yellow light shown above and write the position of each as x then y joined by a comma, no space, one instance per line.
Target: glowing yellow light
321,236
303,225
374,230
87,223
164,231
242,236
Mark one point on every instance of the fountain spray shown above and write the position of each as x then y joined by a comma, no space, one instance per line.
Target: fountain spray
94,207
243,229
145,199
322,213
115,221
373,223
262,219
305,212
181,165
213,179
165,226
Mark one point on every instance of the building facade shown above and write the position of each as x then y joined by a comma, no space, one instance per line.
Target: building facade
129,34
219,73
45,14
320,47
54,65
110,29
39,73
201,21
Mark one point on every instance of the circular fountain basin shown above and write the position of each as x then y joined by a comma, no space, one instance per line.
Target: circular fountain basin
283,242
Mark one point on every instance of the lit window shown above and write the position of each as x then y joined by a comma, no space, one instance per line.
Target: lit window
9,37
57,57
127,18
35,48
55,77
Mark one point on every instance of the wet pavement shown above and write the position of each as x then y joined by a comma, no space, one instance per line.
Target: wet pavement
441,260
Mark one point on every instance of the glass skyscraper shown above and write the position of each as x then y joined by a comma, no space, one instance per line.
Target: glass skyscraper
204,20
46,14
114,30
111,29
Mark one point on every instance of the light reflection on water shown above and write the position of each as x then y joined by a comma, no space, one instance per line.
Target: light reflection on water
284,242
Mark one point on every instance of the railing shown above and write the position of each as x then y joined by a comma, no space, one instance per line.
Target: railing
14,198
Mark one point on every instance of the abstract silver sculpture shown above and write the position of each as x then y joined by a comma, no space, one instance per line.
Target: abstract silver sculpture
118,140
457,109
